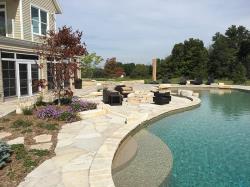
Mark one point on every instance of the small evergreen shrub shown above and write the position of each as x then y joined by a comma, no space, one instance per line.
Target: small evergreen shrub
49,126
27,111
21,124
5,153
39,153
68,116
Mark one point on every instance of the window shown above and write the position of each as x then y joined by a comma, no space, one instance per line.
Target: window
39,21
7,55
9,78
26,57
2,19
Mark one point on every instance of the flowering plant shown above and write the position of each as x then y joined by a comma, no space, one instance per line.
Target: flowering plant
80,105
49,111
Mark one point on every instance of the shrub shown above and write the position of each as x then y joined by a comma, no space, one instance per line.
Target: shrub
21,124
79,105
49,112
49,126
5,153
68,116
19,150
27,111
39,153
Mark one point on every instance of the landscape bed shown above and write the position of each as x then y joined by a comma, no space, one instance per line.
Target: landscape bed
40,120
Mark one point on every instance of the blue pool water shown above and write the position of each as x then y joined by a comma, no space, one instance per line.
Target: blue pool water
210,144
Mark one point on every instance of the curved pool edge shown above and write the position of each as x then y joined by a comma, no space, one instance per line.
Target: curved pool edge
100,173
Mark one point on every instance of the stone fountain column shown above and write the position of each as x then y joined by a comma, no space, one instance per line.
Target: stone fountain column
154,72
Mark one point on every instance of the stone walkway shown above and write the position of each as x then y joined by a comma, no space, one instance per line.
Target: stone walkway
78,144
7,107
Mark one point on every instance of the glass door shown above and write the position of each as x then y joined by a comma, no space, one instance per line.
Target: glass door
9,78
35,78
23,78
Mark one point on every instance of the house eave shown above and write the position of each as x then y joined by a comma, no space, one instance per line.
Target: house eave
58,7
11,43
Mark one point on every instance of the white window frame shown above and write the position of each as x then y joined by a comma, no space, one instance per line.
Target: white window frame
39,20
29,71
5,13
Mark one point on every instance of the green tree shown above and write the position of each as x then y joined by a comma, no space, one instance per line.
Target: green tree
140,71
187,59
128,68
89,63
244,55
239,74
221,57
228,51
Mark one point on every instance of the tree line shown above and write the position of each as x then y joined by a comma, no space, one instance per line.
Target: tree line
227,58
113,69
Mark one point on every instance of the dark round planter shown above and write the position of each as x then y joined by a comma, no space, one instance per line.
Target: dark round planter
78,84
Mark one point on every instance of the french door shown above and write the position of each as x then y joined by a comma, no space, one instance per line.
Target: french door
27,79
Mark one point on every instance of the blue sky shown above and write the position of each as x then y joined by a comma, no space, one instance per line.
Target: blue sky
139,30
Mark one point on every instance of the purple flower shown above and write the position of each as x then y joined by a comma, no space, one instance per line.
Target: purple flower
80,105
49,112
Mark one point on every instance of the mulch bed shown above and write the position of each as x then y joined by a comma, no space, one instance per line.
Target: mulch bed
24,160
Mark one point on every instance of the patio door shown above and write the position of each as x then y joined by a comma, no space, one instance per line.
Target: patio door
24,79
28,76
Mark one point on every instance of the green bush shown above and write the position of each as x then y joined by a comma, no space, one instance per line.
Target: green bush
5,153
49,126
27,111
39,153
21,124
67,116
19,150
23,155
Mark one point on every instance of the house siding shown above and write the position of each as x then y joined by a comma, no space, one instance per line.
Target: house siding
26,20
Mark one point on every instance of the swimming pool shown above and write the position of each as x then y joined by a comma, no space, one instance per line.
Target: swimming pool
210,144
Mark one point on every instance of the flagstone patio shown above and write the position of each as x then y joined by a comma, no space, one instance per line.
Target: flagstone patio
79,143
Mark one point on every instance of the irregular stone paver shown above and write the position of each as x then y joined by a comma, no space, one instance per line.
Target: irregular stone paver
43,138
42,146
4,135
19,140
